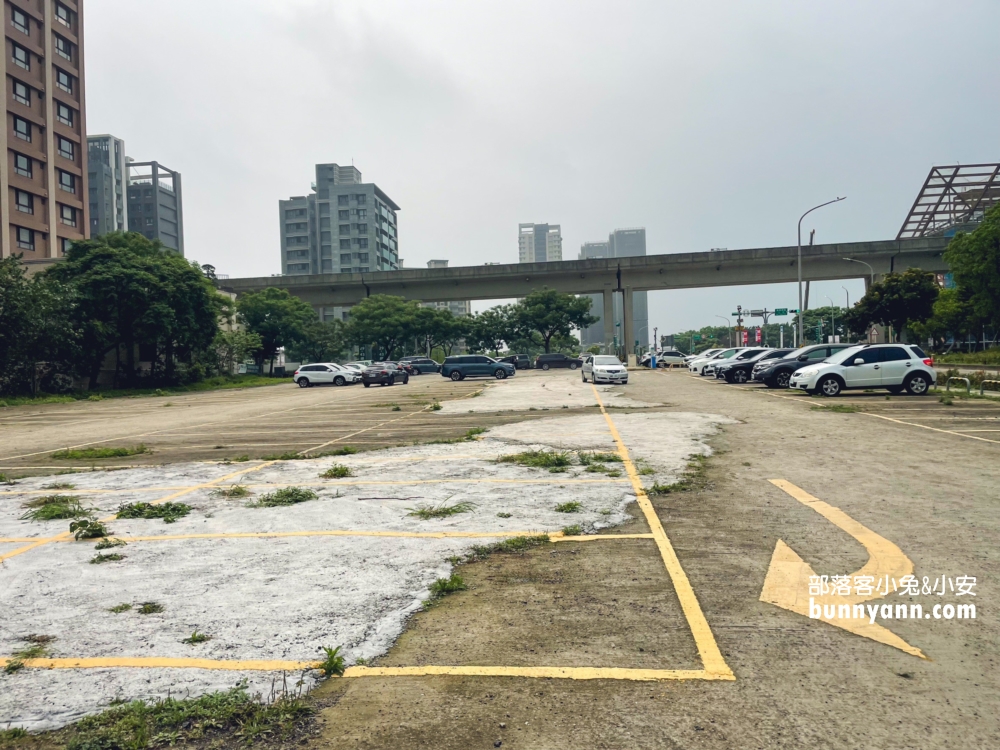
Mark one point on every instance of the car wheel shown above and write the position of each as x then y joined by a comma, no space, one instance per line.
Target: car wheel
740,376
545,366
368,385
392,380
584,376
829,386
500,373
304,382
406,379
456,375
339,380
572,365
781,379
917,384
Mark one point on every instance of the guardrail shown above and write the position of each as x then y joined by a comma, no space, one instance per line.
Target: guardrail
968,386
982,384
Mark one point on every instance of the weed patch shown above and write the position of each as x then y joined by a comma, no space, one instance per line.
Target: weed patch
235,490
150,608
435,406
332,662
571,507
337,471
284,496
102,558
427,512
169,512
4,479
55,508
537,459
837,408
81,454
601,458
196,637
37,647
60,486
574,530
444,586
516,545
504,515
119,608
88,529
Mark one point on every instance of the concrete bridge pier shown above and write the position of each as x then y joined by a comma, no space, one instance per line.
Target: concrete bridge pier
628,327
609,315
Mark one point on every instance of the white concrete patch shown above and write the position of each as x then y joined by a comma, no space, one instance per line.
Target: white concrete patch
284,597
551,390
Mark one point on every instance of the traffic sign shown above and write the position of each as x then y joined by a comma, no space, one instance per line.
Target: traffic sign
781,311
757,313
736,314
696,337
738,328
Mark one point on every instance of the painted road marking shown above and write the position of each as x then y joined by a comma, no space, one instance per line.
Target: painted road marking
555,536
787,581
712,661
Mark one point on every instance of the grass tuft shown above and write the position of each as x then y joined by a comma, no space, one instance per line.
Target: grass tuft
55,508
60,486
571,507
119,608
169,512
196,637
332,662
444,586
150,608
79,454
284,496
235,490
516,545
537,459
436,406
504,515
337,471
37,648
427,512
102,558
591,458
574,530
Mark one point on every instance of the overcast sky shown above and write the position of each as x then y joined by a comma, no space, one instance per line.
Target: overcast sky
711,124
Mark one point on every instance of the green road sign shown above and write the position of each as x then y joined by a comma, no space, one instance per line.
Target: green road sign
736,315
781,311
696,337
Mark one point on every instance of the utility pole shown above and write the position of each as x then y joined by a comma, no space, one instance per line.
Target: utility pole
800,255
833,319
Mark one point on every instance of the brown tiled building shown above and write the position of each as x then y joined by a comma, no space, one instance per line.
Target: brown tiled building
43,177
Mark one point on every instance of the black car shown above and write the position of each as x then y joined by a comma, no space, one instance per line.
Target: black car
777,373
548,361
520,361
420,365
384,373
742,370
743,356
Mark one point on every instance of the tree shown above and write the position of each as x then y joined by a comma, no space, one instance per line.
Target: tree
384,322
549,313
952,315
975,263
131,292
439,327
897,300
230,348
320,342
490,329
277,317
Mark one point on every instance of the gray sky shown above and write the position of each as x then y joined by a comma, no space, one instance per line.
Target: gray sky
712,124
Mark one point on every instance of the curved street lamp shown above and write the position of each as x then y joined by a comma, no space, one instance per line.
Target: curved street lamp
855,260
835,200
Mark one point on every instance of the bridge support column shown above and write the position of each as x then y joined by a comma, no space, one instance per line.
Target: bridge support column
609,318
628,326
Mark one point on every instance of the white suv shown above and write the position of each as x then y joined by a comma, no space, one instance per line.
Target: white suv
700,365
604,368
325,372
895,367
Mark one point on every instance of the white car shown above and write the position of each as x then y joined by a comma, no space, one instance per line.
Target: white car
701,364
604,368
701,355
664,358
325,372
895,367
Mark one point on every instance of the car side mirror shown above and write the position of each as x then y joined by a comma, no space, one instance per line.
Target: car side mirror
802,358
858,361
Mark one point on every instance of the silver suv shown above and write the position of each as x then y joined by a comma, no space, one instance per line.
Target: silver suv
895,367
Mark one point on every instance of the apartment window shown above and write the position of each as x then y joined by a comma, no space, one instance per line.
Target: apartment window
345,259
363,228
345,228
324,223
342,200
324,236
19,21
324,209
362,257
64,48
22,58
64,114
344,215
345,244
67,181
363,242
24,201
64,81
65,245
22,129
67,215
22,165
149,221
361,198
22,94
362,213
363,269
25,239
64,15
65,148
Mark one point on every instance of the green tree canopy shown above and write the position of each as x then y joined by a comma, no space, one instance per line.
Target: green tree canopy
490,329
897,300
320,342
384,322
975,263
440,327
277,317
550,313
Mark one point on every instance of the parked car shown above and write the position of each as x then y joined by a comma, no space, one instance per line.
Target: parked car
699,365
384,373
520,361
714,367
324,372
358,365
896,367
548,361
776,373
465,366
741,370
705,354
663,358
604,368
421,365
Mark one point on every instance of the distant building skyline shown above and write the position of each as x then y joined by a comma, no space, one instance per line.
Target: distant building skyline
622,243
457,307
539,243
107,171
155,203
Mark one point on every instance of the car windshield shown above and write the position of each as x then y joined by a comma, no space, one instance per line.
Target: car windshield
726,354
846,355
607,361
794,354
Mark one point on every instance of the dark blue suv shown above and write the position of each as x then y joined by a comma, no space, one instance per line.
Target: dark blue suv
475,365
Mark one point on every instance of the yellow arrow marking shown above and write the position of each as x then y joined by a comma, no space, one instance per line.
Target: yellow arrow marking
787,581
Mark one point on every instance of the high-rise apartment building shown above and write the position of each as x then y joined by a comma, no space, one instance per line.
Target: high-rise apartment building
155,206
107,177
622,243
43,175
539,243
457,307
344,226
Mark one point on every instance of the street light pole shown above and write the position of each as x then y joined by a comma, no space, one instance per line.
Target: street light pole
855,260
833,318
835,200
848,295
729,329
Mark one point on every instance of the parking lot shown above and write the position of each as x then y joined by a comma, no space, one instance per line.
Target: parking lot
649,630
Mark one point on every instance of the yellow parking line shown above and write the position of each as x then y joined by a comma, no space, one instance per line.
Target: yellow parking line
711,657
